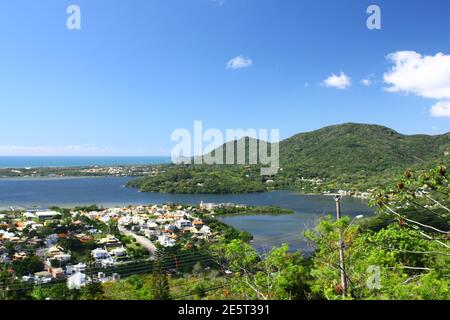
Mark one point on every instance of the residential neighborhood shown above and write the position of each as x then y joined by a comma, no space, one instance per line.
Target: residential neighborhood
55,172
41,247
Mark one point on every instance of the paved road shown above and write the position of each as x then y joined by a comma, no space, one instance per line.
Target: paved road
143,241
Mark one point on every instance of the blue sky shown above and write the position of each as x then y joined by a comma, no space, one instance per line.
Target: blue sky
138,70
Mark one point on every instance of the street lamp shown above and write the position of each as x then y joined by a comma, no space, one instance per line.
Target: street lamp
354,219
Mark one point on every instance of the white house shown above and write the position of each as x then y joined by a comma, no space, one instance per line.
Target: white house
166,241
183,223
104,278
81,267
152,225
46,215
28,279
91,215
7,235
62,257
205,230
107,263
105,219
77,281
125,220
71,269
29,215
100,254
43,277
115,277
209,206
35,226
119,252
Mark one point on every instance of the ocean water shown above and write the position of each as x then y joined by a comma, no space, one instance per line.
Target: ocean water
268,231
63,161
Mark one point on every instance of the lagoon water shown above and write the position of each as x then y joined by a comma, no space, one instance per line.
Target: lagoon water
35,193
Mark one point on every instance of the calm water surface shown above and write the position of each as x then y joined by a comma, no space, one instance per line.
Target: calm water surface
29,193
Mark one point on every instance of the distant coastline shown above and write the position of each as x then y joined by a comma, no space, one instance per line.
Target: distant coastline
20,162
51,178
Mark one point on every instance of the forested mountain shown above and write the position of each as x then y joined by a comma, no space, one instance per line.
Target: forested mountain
351,152
350,156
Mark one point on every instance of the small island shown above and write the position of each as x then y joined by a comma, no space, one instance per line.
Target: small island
230,209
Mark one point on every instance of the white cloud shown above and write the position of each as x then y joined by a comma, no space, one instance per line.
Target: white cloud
239,62
368,81
441,109
423,76
340,82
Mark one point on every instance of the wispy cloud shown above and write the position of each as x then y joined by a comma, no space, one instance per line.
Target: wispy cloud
219,2
423,76
369,80
239,62
339,82
78,150
74,150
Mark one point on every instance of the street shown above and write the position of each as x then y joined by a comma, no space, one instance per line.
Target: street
143,241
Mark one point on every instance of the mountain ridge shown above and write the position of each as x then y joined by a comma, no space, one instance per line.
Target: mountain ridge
345,156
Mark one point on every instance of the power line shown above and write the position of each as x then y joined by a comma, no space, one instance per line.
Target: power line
129,269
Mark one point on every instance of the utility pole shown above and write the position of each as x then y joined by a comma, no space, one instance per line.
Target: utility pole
176,262
344,285
91,268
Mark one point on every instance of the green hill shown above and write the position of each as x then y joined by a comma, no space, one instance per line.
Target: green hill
349,156
356,151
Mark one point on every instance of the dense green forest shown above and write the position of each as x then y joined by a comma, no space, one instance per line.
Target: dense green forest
348,156
252,210
358,150
202,179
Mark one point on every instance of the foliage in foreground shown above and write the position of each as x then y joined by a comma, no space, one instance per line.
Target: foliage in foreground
393,263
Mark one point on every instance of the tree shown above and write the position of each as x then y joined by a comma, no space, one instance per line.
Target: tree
5,279
426,194
134,287
18,290
160,289
278,275
406,265
94,289
58,291
27,265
